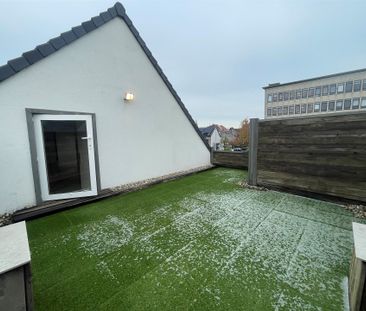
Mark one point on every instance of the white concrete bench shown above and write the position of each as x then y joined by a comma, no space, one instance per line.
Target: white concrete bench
15,272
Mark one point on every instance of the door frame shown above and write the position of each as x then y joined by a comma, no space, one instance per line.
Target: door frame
42,157
30,112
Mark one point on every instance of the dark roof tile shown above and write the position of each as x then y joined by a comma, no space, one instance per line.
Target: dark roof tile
88,26
97,20
207,131
18,63
112,11
120,9
106,16
141,41
5,72
57,42
46,49
135,31
69,36
79,31
127,20
33,56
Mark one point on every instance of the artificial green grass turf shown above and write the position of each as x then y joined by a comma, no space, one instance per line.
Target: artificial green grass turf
197,243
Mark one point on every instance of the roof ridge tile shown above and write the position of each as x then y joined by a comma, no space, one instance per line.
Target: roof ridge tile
45,49
106,16
57,42
69,36
88,26
97,20
120,9
18,63
79,31
112,11
32,56
6,71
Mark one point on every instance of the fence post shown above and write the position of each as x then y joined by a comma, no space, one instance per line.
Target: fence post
253,146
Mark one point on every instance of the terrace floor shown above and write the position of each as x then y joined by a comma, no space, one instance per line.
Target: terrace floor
198,243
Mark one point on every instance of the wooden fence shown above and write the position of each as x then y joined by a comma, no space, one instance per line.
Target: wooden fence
230,159
319,154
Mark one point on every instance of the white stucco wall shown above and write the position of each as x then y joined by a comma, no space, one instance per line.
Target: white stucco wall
147,138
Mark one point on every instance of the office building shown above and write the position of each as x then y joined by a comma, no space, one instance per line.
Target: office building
342,92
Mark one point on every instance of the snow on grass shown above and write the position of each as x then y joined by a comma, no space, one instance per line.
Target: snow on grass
215,247
105,236
249,237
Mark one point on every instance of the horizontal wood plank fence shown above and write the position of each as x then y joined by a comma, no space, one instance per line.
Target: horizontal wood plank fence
320,154
230,159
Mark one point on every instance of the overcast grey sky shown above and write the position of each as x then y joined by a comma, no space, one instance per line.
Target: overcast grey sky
218,54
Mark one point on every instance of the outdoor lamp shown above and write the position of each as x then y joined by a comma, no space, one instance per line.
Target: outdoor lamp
129,97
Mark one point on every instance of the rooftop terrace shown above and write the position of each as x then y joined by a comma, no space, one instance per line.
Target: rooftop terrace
201,242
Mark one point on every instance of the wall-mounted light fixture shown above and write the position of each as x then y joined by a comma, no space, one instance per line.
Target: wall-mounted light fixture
129,97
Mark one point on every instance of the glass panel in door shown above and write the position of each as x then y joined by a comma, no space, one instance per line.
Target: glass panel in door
66,155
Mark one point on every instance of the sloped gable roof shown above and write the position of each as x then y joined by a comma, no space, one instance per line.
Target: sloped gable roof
207,131
29,58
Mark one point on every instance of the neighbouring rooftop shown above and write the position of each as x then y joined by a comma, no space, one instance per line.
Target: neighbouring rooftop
201,242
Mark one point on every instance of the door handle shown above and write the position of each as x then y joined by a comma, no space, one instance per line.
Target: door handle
86,137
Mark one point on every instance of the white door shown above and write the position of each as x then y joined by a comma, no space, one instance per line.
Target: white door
65,155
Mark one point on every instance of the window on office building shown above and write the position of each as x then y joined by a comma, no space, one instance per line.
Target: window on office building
357,86
298,94
325,90
279,111
310,108
332,89
340,88
316,107
311,92
303,108
274,111
318,91
324,106
285,110
285,96
292,94
305,93
339,105
331,105
280,97
274,97
355,103
269,112
297,109
364,85
363,103
269,98
347,104
349,86
291,109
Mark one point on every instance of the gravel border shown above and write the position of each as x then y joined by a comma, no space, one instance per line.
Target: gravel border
5,219
144,183
357,210
244,184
